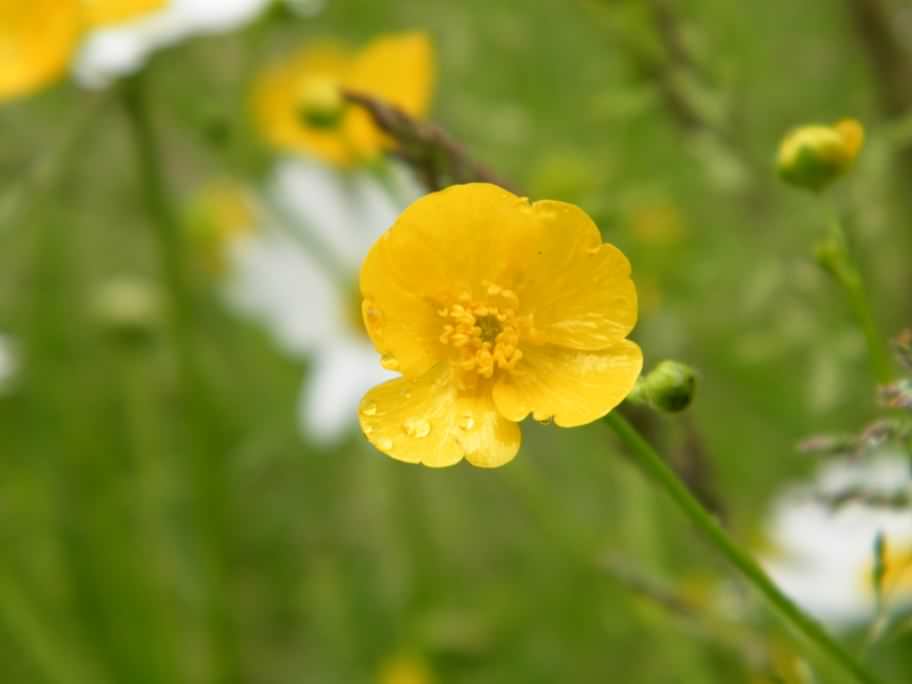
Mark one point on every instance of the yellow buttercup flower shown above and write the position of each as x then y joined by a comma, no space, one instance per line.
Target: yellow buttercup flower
38,37
493,308
102,12
298,104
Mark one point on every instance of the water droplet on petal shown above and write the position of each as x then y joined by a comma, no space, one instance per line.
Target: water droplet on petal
385,444
467,422
419,428
373,316
389,362
407,395
369,409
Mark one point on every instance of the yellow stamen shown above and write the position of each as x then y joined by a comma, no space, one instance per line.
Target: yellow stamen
483,333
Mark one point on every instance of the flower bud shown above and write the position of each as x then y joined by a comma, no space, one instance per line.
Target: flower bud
320,104
814,156
128,309
669,387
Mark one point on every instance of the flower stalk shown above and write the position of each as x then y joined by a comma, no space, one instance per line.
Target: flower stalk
207,470
834,255
658,471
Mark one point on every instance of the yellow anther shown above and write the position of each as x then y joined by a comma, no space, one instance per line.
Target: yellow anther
482,333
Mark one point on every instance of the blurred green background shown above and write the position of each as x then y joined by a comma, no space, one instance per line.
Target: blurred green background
151,536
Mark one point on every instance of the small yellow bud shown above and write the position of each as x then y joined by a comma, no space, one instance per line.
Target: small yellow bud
814,156
669,387
320,103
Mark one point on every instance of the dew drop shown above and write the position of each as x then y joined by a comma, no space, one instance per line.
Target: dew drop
385,443
369,409
389,362
419,428
373,316
467,422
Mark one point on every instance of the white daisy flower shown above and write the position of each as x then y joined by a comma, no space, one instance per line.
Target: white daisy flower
299,278
123,49
824,555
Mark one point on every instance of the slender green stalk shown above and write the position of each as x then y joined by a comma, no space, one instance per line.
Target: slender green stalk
656,468
835,254
207,434
50,655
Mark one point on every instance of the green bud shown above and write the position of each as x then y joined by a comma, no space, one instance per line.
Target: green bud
669,387
812,157
128,310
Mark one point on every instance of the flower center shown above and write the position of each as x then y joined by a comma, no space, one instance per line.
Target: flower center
897,578
483,333
320,103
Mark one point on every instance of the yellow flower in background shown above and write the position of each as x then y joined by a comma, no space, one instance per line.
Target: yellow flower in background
298,103
38,38
492,309
405,670
814,156
102,12
219,214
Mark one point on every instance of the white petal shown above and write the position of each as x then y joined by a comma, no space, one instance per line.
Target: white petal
823,556
111,52
345,211
341,375
274,280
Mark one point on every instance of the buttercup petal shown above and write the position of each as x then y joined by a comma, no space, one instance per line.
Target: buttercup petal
444,244
37,40
579,289
398,69
428,421
102,12
573,387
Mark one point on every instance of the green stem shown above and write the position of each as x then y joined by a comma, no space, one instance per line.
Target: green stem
656,468
207,432
845,270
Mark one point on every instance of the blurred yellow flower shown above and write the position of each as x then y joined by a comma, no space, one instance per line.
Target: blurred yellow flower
405,670
101,12
219,214
814,156
298,103
38,37
493,308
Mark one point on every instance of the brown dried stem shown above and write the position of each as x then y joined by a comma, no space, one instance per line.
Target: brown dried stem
436,157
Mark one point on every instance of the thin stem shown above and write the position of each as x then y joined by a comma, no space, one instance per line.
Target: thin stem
655,467
207,434
848,275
